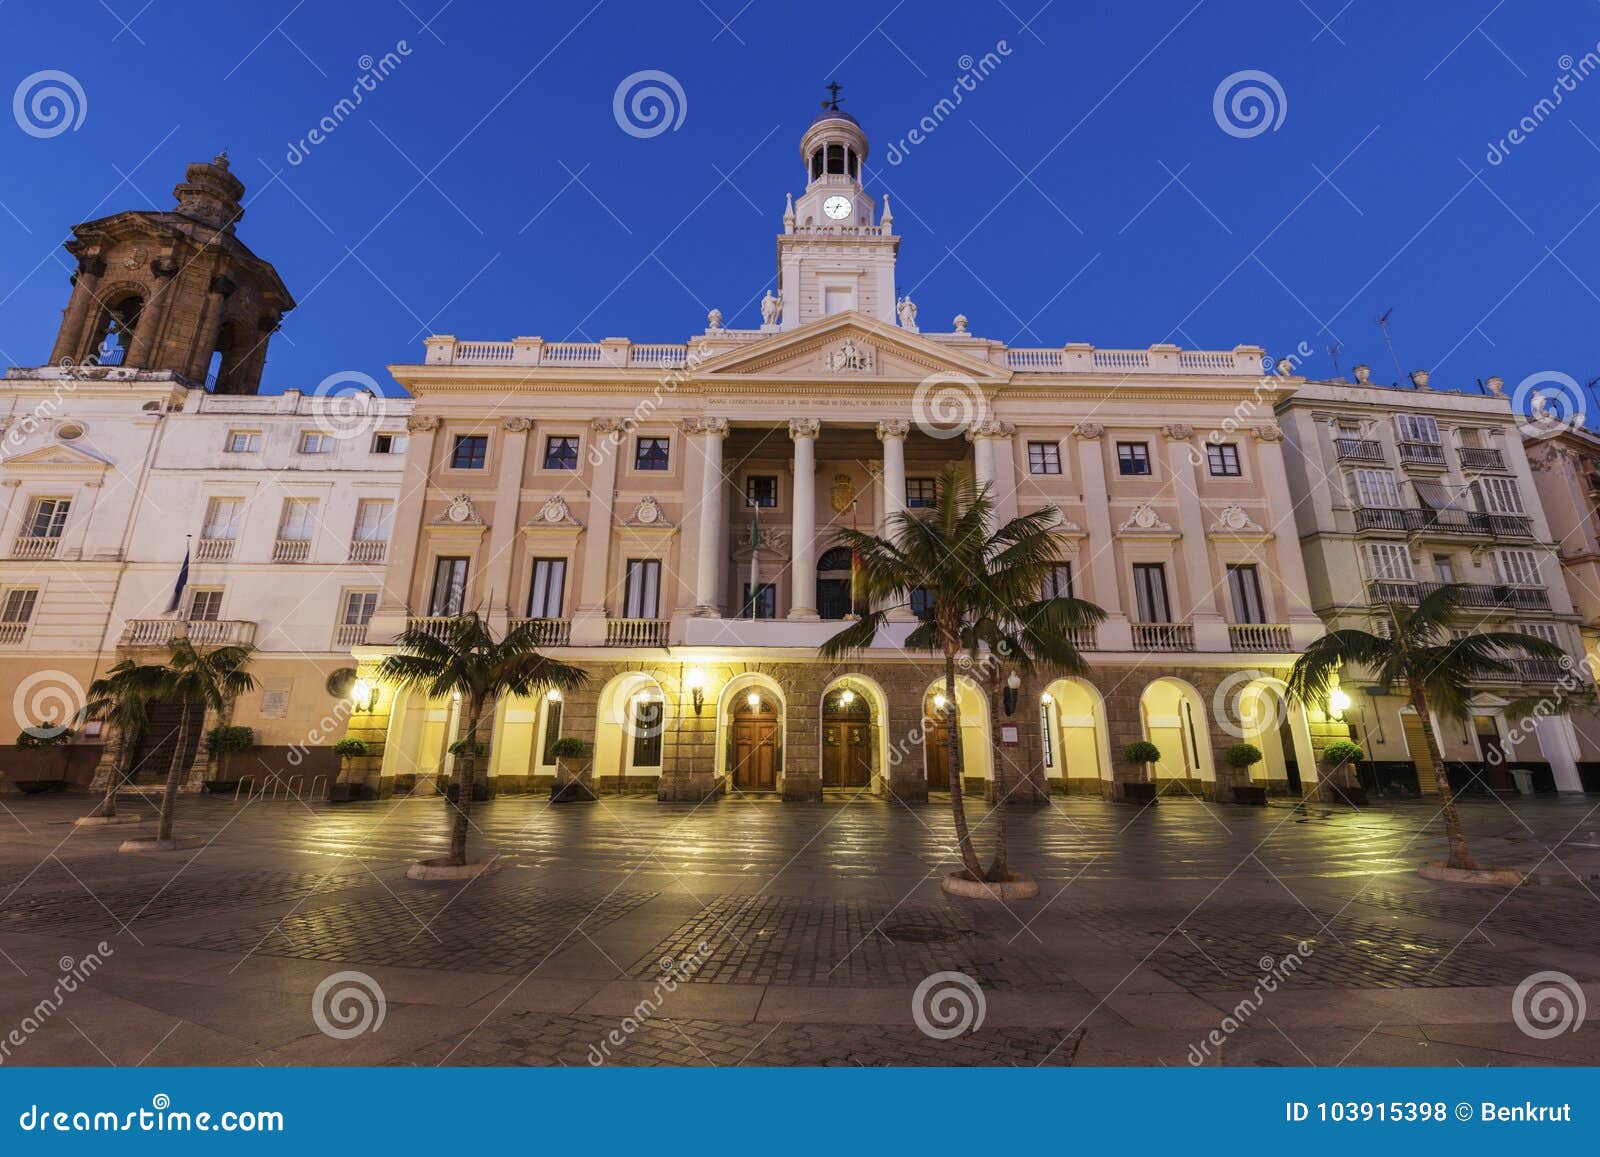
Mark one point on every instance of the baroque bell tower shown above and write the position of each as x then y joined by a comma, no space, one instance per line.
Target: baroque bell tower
835,253
176,290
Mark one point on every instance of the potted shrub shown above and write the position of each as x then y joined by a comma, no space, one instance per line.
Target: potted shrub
348,748
572,783
1242,757
221,742
1143,755
45,770
1341,782
480,787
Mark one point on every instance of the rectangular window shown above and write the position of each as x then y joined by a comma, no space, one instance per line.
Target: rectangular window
374,520
1044,458
471,452
650,454
19,604
1417,428
1045,729
761,490
549,583
648,715
1244,587
48,518
389,443
1133,458
299,519
1497,495
1517,567
835,300
765,604
1388,561
312,442
1375,488
205,606
358,607
1444,568
1223,459
1150,591
921,602
552,731
1549,632
222,518
243,442
561,453
921,493
643,597
449,595
1058,583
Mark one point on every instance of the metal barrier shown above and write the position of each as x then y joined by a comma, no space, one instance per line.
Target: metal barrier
244,779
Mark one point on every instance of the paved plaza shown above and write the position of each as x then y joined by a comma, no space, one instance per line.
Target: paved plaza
758,933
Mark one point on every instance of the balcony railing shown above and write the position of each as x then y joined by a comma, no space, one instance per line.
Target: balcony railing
436,625
1425,520
12,634
368,549
636,632
35,546
201,632
1544,670
1258,637
1084,638
548,632
1358,450
1490,596
213,550
347,635
1481,458
1422,454
1163,637
291,550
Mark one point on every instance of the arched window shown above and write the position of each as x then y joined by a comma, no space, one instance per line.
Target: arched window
838,558
113,336
816,164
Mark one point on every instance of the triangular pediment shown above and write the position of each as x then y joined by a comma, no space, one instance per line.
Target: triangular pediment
849,345
58,456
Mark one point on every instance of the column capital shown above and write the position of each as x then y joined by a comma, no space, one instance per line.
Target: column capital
715,426
893,428
516,425
1088,430
804,427
1268,432
1178,432
422,423
990,428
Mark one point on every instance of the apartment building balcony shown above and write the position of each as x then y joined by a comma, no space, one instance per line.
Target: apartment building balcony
371,550
1547,671
291,550
1163,636
1481,458
201,632
13,634
1429,454
548,632
213,550
34,546
1487,596
636,632
347,635
1084,638
436,625
1272,637
1357,450
1448,521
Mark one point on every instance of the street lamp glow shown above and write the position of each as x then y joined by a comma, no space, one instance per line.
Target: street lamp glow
847,697
1046,698
754,700
554,695
361,691
695,679
1338,702
940,702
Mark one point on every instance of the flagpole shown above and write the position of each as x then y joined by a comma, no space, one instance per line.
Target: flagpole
755,558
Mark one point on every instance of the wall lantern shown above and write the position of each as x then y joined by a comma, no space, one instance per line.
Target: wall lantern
554,695
1008,697
754,700
1046,698
1338,703
364,695
940,702
847,697
695,678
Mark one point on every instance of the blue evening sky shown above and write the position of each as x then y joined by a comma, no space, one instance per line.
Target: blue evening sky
1082,191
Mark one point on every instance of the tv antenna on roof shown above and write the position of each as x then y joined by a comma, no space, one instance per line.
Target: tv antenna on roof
1333,356
1383,324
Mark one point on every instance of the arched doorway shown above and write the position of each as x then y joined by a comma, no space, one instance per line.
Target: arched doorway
834,571
1076,748
1278,729
970,714
755,743
630,722
1174,720
847,739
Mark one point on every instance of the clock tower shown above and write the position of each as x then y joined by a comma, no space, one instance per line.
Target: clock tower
835,253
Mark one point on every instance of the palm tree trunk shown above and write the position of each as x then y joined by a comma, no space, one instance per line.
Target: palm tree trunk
108,805
465,766
1460,854
1002,792
169,796
958,809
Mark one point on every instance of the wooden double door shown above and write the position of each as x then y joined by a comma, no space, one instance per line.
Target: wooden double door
755,746
846,744
936,746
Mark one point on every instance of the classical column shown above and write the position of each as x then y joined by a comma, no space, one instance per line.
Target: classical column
1210,632
399,578
893,436
992,466
152,314
803,568
605,443
1115,634
80,309
708,587
507,518
210,325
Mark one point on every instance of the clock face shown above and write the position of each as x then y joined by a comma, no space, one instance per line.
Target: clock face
837,207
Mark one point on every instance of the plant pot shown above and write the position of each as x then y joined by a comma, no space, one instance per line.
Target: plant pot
480,791
1134,791
343,792
1018,887
1251,795
439,870
574,781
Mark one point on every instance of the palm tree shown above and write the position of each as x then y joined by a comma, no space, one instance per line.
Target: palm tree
1411,649
121,698
210,680
464,658
984,587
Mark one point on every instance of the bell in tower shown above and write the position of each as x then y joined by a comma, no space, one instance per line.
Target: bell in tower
175,291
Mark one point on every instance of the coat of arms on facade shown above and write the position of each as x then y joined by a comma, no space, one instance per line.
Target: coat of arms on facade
842,495
851,356
649,512
461,511
554,511
1235,519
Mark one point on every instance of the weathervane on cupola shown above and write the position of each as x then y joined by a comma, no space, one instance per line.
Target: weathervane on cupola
833,101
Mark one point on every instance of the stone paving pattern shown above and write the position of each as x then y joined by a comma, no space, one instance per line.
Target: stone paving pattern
820,921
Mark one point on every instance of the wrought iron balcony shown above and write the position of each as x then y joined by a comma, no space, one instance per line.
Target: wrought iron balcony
1422,454
1358,450
1451,521
1481,458
1488,596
